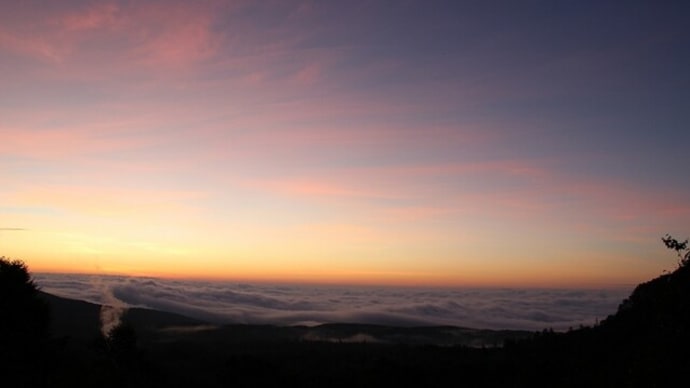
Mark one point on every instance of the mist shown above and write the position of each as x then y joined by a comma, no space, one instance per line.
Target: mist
282,304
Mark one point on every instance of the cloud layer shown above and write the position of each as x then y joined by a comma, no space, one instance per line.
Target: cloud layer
223,302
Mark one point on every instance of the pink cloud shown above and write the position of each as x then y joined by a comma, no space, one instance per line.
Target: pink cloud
315,188
67,144
623,202
536,196
37,47
49,144
282,134
101,15
419,213
412,193
171,36
161,35
309,74
526,169
105,201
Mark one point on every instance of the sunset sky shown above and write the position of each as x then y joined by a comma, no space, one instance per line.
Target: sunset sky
459,143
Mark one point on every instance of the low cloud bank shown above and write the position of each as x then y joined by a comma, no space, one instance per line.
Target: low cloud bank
227,302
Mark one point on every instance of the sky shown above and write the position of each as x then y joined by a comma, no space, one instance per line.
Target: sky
459,143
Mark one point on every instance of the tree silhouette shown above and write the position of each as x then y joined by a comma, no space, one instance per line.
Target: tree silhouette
24,315
122,340
24,321
127,362
681,249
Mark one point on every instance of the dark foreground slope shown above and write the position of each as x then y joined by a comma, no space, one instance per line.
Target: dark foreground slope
174,351
646,343
81,320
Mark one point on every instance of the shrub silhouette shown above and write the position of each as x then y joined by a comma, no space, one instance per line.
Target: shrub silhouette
24,321
681,249
24,315
122,341
128,363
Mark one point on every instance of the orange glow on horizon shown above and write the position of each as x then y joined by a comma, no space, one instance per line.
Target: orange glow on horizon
481,277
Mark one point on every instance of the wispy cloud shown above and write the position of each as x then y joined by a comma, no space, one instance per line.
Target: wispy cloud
36,47
106,201
160,35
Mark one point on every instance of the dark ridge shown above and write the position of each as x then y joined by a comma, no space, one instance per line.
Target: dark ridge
73,318
80,319
422,335
661,305
644,344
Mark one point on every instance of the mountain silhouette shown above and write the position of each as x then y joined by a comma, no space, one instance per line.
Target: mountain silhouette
659,307
644,343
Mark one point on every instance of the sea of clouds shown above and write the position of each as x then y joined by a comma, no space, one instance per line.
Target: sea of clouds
283,304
